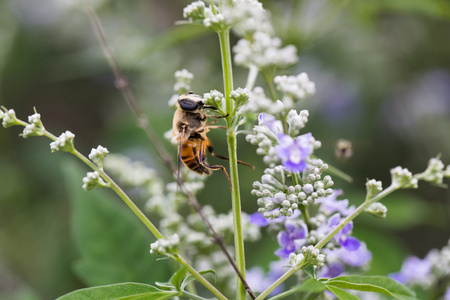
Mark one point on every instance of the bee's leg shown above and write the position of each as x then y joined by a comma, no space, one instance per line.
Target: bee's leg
216,127
218,117
205,144
211,150
180,148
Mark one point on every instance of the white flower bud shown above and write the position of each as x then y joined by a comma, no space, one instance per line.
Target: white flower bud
308,188
63,143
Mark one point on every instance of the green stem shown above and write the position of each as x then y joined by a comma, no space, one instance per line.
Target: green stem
225,51
328,237
224,38
268,78
122,195
199,277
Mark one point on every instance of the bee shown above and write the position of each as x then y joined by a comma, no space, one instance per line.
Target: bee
189,130
343,149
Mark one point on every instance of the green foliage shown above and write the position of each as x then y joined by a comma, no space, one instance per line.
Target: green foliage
129,291
341,294
114,245
179,280
378,284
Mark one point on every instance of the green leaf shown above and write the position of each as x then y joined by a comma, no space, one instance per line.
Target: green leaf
122,291
310,270
178,277
311,285
191,278
378,284
167,286
113,243
341,294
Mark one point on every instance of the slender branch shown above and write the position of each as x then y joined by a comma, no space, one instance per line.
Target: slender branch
123,85
115,187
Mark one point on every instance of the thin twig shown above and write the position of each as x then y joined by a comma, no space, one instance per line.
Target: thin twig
123,85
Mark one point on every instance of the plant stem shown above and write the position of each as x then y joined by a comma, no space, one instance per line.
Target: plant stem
199,277
268,78
224,38
121,194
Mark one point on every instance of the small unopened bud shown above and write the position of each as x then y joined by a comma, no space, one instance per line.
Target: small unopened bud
165,246
63,143
377,209
93,180
97,155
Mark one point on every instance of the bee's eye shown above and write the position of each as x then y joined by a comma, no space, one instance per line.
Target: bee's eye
188,104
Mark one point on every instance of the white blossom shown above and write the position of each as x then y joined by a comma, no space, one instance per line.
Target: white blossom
264,51
63,143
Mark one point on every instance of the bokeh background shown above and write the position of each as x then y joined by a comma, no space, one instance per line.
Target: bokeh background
382,71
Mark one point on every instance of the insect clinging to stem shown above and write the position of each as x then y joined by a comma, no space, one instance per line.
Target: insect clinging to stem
189,129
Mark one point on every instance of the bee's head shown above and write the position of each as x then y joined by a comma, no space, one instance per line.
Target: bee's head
190,102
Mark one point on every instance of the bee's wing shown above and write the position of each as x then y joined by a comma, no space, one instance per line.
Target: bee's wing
182,137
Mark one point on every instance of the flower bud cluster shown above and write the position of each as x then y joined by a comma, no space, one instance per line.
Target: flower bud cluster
373,187
182,85
402,178
198,12
35,126
63,143
435,171
258,102
264,136
98,155
264,52
183,81
296,121
294,88
276,199
195,11
165,246
377,209
214,98
93,180
247,17
133,174
9,117
310,256
240,96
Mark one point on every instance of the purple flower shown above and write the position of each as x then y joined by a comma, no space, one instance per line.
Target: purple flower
355,258
258,219
292,239
294,152
343,237
259,281
338,258
413,269
270,122
331,270
447,294
330,205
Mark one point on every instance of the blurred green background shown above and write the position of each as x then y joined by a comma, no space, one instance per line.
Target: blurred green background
382,71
